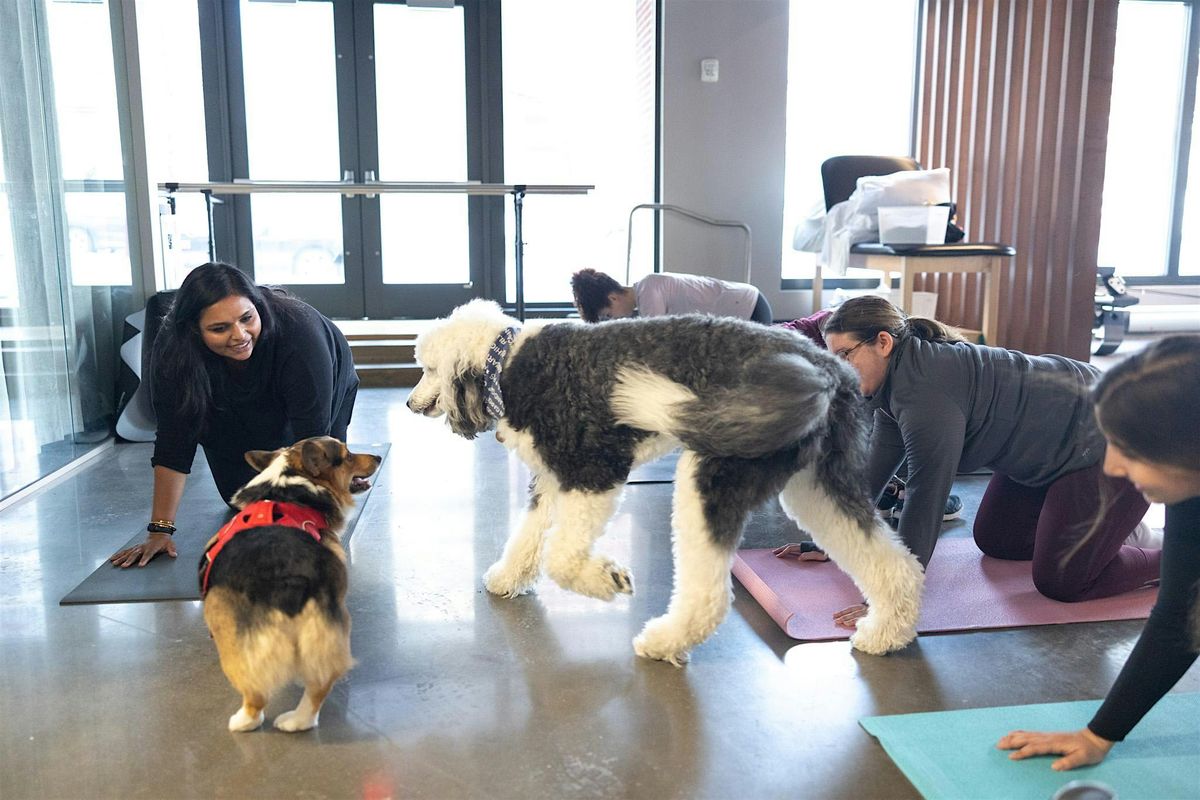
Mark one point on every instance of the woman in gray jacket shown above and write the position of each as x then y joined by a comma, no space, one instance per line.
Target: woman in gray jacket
953,406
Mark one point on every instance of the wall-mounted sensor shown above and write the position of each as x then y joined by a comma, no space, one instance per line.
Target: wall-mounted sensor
709,70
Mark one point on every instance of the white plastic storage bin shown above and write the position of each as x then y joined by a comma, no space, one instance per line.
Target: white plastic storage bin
913,224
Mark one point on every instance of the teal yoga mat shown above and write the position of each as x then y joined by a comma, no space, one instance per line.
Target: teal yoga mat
201,515
952,754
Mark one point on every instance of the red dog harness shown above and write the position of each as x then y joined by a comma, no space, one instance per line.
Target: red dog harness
258,515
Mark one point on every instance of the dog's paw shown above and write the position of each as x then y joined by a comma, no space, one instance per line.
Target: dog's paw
499,582
659,642
242,722
601,578
878,636
295,720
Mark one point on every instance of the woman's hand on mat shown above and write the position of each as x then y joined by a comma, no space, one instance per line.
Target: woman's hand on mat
849,617
1077,748
141,554
802,551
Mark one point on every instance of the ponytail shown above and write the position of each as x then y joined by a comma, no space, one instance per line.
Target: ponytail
866,317
930,330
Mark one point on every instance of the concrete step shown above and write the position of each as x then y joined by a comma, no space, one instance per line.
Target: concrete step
398,375
366,329
385,362
383,351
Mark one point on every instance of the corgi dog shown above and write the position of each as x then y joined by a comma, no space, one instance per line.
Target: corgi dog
274,579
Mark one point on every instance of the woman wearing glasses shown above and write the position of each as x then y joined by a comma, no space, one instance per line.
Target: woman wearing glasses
950,405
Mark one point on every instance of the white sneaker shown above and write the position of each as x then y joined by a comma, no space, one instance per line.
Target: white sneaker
1145,537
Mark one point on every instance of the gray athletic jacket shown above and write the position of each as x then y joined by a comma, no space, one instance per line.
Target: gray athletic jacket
952,407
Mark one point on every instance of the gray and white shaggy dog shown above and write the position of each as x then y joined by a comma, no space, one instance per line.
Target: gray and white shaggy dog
756,410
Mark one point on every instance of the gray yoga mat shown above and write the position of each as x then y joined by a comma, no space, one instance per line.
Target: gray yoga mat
660,471
167,578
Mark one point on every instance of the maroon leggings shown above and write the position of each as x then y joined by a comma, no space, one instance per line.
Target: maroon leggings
1042,524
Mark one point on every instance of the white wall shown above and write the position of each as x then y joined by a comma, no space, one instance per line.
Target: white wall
723,142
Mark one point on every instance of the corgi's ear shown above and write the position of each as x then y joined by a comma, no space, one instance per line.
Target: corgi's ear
259,459
318,455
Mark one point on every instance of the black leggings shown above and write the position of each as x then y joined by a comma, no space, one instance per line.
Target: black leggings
231,472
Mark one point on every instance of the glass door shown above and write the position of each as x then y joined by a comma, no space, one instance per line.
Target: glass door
416,117
360,91
297,63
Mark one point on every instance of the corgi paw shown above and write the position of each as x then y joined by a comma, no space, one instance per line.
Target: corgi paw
242,722
293,721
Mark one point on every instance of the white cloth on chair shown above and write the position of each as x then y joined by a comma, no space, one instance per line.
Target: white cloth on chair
856,220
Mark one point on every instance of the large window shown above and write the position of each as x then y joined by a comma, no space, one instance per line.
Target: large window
1150,228
851,78
587,120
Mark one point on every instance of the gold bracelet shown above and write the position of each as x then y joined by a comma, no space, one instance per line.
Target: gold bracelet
169,522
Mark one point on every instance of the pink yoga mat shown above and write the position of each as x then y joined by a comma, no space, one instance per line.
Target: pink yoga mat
964,590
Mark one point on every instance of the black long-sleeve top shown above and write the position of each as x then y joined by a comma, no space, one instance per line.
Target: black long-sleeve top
296,378
1164,651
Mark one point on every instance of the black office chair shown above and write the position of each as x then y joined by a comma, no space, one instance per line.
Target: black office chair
839,178
840,174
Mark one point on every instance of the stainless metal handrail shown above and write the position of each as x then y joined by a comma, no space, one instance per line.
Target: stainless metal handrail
725,223
372,188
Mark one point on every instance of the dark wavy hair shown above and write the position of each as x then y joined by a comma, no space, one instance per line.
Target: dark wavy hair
181,357
591,289
867,316
1146,404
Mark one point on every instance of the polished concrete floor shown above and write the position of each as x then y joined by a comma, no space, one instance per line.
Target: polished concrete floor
458,694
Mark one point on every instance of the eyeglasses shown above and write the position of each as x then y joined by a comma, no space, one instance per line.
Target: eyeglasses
846,353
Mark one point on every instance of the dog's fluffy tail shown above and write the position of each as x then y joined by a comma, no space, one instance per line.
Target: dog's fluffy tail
784,399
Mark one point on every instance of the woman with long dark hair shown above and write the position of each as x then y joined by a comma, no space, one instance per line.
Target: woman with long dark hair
237,367
949,405
1146,406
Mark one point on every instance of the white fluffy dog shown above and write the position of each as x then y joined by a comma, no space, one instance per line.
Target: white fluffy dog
756,410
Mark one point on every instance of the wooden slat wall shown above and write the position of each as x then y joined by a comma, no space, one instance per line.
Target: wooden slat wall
1014,98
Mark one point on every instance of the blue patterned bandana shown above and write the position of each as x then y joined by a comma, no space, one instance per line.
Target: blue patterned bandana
497,353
